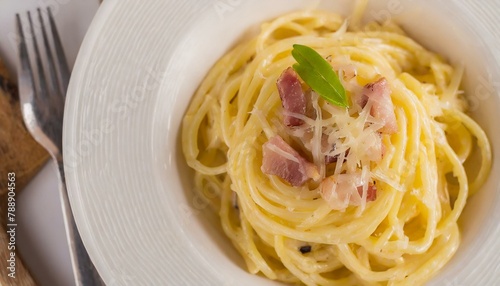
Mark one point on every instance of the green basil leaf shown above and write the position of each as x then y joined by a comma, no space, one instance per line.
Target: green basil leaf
319,75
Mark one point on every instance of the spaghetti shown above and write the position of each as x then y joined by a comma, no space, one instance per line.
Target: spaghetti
293,233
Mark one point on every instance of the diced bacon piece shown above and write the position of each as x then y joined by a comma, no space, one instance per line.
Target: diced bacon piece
379,93
341,191
282,160
310,111
331,159
292,96
371,192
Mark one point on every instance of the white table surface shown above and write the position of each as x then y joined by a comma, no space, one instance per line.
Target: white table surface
40,233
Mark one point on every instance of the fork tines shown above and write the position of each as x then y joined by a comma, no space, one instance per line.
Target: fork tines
43,87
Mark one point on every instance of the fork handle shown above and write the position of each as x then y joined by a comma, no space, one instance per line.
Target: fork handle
83,269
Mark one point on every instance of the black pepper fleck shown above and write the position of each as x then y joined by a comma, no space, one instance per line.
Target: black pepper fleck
305,249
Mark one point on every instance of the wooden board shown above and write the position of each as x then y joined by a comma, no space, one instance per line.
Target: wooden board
19,154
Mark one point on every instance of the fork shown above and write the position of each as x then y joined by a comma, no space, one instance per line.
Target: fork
42,98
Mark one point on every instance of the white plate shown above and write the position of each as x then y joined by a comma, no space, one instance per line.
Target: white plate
138,67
